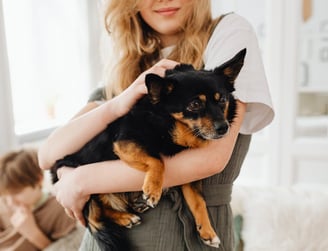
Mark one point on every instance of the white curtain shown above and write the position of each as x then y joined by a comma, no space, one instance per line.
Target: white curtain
7,135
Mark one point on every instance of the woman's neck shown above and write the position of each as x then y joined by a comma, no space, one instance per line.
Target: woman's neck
169,40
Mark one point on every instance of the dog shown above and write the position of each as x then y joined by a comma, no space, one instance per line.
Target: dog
186,108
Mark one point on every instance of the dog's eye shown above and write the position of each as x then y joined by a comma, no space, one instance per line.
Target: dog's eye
195,105
222,100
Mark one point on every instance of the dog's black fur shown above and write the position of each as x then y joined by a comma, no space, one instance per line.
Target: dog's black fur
185,109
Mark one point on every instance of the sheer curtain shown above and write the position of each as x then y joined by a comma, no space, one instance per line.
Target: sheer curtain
54,63
7,135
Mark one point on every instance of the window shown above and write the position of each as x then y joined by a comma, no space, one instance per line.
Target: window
52,50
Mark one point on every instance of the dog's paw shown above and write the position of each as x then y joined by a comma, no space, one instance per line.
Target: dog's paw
128,220
139,205
215,242
134,220
208,236
151,199
151,195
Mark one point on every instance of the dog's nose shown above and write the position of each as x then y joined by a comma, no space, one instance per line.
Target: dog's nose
221,127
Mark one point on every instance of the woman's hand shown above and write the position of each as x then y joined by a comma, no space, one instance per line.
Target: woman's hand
68,192
138,88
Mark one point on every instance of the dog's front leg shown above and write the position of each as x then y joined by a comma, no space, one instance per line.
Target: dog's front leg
136,157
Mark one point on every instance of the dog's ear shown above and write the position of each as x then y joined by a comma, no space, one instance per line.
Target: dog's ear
157,86
232,67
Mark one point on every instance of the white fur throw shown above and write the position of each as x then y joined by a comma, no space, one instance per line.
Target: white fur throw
282,219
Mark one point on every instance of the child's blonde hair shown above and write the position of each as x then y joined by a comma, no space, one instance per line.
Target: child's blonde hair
18,170
137,47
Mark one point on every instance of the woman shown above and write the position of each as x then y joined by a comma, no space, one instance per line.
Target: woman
144,33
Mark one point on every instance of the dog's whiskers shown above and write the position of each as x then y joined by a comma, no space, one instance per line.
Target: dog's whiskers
197,132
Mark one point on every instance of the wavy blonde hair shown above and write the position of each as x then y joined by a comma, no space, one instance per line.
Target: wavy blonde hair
137,47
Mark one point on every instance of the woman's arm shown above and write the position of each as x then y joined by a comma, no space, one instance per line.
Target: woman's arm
75,185
184,167
72,136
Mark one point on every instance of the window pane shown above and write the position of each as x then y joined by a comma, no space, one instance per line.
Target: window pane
312,119
48,58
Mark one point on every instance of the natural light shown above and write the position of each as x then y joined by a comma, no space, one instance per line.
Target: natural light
47,45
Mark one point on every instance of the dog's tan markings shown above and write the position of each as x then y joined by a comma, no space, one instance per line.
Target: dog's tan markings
182,135
183,132
197,206
135,156
112,206
206,124
226,110
116,201
202,97
170,87
190,123
217,96
94,216
178,115
124,219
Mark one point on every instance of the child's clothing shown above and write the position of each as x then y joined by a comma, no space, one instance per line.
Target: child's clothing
50,217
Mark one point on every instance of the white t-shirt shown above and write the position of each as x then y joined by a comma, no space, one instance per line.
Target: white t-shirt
231,35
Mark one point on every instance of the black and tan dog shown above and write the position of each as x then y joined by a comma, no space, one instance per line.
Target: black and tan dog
185,109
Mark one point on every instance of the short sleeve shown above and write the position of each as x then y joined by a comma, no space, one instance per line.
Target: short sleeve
98,95
231,35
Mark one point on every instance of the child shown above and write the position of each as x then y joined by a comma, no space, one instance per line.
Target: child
30,219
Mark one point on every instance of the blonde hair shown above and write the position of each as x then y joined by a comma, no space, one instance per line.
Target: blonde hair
137,47
18,170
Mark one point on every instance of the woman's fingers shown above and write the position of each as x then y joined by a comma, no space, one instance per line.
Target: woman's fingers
63,170
161,66
167,63
66,195
69,213
79,217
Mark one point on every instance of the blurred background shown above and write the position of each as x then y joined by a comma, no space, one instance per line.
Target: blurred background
51,59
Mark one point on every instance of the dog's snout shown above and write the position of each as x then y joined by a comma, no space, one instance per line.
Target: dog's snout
221,127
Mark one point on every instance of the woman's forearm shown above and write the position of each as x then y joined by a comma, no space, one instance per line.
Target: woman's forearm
117,176
184,167
71,137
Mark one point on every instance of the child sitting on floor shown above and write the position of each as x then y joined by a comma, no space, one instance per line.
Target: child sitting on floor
30,218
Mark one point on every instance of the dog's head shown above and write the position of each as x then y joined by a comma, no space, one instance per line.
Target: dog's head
201,100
